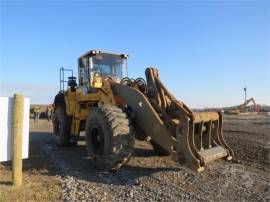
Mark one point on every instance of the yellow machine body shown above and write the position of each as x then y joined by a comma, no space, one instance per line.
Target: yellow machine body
195,138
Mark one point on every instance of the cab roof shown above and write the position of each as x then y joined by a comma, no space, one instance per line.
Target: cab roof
96,52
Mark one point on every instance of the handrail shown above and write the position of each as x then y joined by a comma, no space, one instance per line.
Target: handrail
62,77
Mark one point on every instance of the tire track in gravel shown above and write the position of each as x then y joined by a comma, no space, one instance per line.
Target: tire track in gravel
148,177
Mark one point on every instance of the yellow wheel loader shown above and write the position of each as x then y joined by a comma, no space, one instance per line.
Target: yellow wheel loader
114,110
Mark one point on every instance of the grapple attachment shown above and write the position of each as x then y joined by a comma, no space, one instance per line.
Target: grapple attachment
198,136
194,138
200,140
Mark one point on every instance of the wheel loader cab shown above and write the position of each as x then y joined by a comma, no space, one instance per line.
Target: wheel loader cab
96,64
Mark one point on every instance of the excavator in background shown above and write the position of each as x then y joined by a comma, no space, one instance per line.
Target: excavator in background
242,108
114,110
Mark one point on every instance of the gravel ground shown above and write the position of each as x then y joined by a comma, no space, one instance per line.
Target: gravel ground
148,177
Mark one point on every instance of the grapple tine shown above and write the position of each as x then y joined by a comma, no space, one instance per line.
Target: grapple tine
185,147
201,126
222,140
206,141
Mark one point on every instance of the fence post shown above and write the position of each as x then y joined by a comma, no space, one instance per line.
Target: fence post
17,130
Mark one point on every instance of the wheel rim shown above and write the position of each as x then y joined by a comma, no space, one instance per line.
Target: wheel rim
97,139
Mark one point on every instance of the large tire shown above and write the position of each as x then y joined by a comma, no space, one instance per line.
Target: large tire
61,127
158,149
109,137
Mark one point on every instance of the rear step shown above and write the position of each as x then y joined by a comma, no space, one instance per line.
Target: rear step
213,154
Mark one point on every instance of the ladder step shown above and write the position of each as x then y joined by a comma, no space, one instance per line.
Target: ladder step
212,154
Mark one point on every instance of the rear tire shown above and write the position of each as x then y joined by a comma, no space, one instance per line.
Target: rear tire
158,149
61,127
109,137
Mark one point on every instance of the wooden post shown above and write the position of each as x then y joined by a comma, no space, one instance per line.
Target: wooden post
17,130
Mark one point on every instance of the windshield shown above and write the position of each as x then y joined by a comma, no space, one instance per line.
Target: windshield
109,66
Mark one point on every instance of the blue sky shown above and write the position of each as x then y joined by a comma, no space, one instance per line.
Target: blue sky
206,51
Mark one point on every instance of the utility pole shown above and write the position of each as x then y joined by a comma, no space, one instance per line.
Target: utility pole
245,89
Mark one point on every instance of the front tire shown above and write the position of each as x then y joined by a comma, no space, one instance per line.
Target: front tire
109,137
